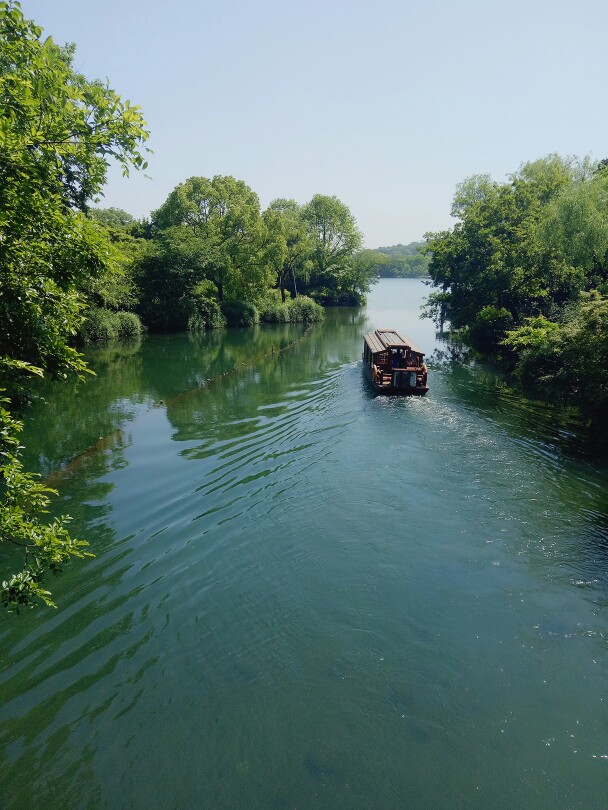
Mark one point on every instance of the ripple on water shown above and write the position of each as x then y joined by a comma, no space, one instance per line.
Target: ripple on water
306,585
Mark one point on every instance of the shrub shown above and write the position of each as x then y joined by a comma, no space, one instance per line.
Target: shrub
129,325
165,313
103,324
490,327
206,314
304,310
240,313
100,324
274,312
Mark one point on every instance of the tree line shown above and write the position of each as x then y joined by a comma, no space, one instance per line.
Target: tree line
402,261
210,257
523,275
58,131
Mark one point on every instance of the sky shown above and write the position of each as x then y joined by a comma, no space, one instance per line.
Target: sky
387,105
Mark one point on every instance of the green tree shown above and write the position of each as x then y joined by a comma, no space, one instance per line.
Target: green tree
170,267
567,358
58,132
112,287
335,240
402,261
492,257
289,245
224,215
574,226
112,217
357,278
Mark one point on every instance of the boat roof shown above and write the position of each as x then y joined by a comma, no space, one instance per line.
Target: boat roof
383,339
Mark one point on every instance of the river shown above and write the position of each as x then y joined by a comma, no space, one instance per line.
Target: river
308,596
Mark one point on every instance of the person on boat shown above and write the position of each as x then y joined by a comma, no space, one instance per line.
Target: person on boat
397,360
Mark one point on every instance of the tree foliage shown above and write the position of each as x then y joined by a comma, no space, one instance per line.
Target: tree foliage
112,217
288,243
222,220
493,256
58,132
335,239
525,271
211,231
567,357
402,261
23,507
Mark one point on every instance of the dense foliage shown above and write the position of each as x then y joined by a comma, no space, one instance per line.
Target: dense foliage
58,131
524,273
209,245
402,261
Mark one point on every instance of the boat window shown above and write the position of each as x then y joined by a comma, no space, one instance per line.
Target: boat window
404,379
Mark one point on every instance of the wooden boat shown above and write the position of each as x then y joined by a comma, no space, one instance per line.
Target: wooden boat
393,364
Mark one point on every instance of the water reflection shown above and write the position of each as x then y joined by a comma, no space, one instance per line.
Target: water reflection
305,595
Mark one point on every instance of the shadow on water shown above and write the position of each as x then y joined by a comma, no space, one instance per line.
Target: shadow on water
551,435
490,391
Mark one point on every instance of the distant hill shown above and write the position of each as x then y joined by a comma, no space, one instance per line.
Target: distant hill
402,261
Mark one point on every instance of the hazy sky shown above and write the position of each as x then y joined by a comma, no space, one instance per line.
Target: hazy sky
386,105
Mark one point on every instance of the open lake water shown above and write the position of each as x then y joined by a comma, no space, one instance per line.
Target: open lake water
305,595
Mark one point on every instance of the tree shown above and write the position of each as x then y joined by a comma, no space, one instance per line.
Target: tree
472,190
402,261
170,267
335,239
574,226
224,215
112,217
58,132
57,135
289,244
357,278
568,358
492,257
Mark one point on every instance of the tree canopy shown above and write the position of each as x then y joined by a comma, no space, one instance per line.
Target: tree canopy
210,245
335,239
222,217
288,243
524,272
494,257
402,261
58,132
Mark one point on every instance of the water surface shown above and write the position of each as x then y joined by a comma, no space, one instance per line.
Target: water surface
305,595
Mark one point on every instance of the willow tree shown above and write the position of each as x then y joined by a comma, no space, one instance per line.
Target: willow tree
58,132
575,226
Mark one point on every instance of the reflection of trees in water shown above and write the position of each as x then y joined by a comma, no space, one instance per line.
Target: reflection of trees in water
174,364
75,658
485,387
449,355
72,416
231,406
76,421
480,387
